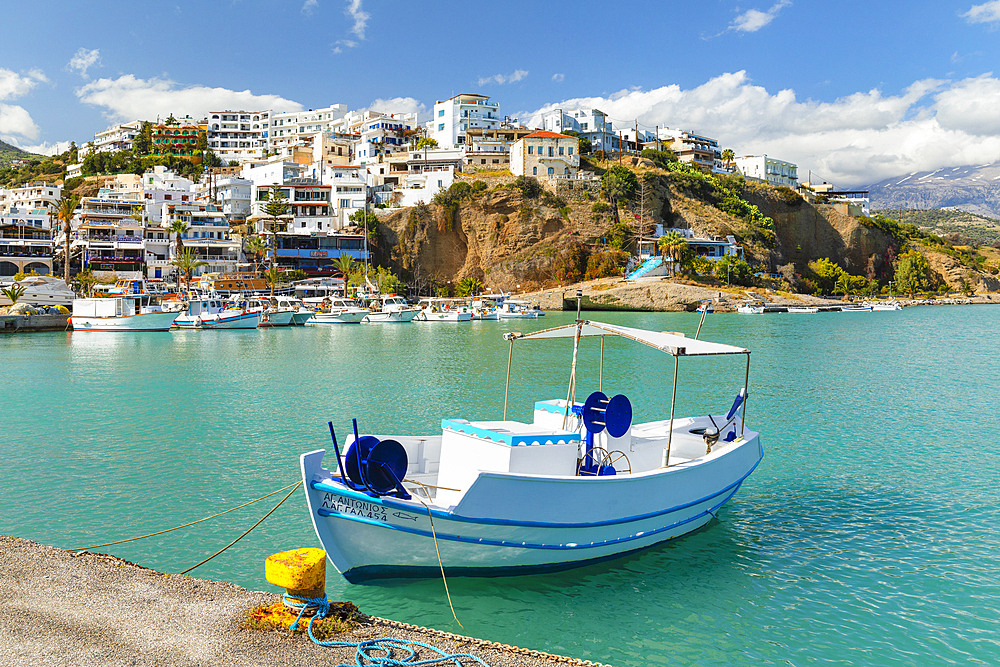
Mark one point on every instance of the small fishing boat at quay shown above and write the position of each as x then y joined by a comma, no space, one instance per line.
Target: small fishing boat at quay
212,313
749,309
802,309
300,314
886,305
579,484
120,314
856,309
513,309
335,310
443,310
389,308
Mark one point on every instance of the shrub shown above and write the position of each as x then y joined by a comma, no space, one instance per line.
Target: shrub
529,186
606,264
600,207
73,183
479,186
734,271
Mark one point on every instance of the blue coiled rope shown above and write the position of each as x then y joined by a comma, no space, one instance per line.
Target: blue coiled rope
374,652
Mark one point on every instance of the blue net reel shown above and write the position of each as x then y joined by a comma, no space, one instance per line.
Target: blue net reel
599,413
372,465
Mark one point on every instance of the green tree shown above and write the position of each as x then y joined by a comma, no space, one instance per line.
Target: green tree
843,285
275,208
661,158
186,264
274,276
734,271
913,273
202,143
469,286
64,212
85,281
427,142
143,142
672,244
827,274
170,120
345,264
368,222
619,184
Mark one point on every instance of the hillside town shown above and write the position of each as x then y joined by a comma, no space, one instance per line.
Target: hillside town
329,166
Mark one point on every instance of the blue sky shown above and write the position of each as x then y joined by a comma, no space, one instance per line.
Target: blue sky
855,91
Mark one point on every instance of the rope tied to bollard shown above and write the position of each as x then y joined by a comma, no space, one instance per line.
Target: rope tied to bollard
376,652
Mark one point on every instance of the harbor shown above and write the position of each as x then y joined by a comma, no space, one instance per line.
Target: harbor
843,520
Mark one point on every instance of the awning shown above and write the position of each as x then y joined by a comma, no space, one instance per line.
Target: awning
671,343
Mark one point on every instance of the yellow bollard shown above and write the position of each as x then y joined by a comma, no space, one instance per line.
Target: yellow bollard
301,572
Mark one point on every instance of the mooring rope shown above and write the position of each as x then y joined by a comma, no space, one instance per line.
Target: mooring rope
374,652
438,550
297,485
160,532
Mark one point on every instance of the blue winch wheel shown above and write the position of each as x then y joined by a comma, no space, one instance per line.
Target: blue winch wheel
618,416
386,466
600,412
362,446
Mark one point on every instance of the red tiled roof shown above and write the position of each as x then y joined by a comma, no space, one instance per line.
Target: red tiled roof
544,134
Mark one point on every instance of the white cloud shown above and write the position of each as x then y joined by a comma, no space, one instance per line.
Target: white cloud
501,79
360,18
309,5
399,105
988,12
753,20
558,78
131,98
15,121
854,140
84,60
44,148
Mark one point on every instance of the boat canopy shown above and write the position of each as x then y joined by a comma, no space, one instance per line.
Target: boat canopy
672,343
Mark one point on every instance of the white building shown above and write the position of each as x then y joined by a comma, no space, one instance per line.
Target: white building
452,117
238,136
115,138
692,148
232,194
545,155
288,127
591,124
26,241
207,238
768,169
382,134
32,196
858,201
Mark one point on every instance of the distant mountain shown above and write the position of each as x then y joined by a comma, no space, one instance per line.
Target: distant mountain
972,189
8,153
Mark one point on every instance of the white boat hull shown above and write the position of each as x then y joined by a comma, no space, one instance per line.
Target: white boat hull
391,316
140,322
280,318
224,320
299,318
529,315
543,523
453,316
343,317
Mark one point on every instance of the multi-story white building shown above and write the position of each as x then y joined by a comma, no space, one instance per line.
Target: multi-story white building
115,138
111,236
230,193
382,134
238,136
768,169
591,124
26,241
32,196
693,148
858,202
545,155
452,117
287,128
207,238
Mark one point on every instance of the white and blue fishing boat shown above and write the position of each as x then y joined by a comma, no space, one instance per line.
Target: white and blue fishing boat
581,483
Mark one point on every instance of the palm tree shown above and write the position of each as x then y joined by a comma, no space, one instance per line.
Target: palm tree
180,228
64,211
469,286
344,264
272,276
186,263
13,293
672,244
843,285
728,156
255,247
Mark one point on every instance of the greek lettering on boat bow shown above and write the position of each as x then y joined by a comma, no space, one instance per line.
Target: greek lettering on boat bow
353,507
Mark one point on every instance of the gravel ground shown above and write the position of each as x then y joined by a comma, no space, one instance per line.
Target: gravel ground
93,609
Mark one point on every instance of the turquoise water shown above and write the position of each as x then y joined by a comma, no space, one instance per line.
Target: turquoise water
868,535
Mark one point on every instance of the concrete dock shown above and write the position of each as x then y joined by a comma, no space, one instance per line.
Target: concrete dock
57,608
27,323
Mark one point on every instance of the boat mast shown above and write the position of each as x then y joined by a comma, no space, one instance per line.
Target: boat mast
571,390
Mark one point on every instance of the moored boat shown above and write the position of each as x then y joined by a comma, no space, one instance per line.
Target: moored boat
390,308
581,483
212,313
120,314
749,309
335,310
803,309
513,309
856,309
443,310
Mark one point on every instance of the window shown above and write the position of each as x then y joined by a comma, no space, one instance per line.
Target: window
550,151
440,113
560,150
440,127
534,171
531,150
552,171
570,150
